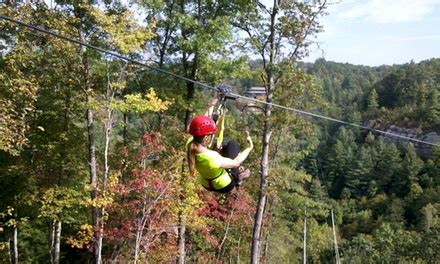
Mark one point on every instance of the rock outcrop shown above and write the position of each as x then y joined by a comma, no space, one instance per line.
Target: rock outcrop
424,150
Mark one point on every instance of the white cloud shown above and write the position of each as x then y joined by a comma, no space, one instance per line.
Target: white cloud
387,11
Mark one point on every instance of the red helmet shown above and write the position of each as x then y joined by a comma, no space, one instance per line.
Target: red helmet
202,126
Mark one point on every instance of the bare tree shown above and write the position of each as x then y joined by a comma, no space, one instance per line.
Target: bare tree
279,35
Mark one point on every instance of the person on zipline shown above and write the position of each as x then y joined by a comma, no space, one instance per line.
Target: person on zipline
218,171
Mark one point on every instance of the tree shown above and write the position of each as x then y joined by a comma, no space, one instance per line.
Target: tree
142,206
433,165
51,126
340,159
19,93
118,30
433,108
114,28
193,39
372,101
411,166
359,173
267,29
387,166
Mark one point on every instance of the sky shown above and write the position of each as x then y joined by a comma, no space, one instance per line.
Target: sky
377,32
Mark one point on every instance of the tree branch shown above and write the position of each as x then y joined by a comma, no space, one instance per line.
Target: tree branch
308,29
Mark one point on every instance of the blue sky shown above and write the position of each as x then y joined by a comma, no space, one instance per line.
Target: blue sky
376,32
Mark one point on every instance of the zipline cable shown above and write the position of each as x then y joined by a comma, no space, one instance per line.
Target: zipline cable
204,85
108,52
335,120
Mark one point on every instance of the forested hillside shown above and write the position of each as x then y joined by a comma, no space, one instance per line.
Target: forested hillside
92,146
403,95
384,192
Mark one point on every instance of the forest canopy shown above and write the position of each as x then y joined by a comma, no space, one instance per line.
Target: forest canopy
92,147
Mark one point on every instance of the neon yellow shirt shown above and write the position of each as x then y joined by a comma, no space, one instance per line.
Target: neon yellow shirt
208,166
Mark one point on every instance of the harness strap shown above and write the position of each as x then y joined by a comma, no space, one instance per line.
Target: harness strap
210,185
221,128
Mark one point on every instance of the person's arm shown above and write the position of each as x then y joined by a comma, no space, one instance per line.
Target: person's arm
228,163
211,105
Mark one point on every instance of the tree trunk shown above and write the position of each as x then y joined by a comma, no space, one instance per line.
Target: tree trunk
107,133
15,244
141,224
92,143
56,225
267,132
220,250
55,242
259,215
256,236
182,230
136,248
190,91
338,260
305,238
139,234
124,165
182,219
52,240
94,181
163,46
188,115
9,251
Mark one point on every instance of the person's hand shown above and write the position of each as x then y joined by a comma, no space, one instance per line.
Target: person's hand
211,104
249,140
217,95
214,100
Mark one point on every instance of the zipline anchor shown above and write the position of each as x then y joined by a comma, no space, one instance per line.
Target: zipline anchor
225,91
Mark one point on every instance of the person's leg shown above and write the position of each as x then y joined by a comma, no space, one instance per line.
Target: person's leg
230,150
